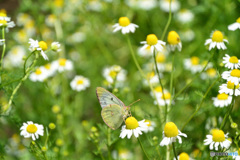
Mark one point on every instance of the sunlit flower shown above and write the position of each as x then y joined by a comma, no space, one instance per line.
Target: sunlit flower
62,64
222,100
55,46
233,76
153,42
79,83
145,52
193,64
235,25
133,127
124,25
153,78
38,46
151,125
49,69
185,16
164,99
216,139
32,130
216,41
171,133
164,5
183,156
231,62
7,24
38,75
209,73
114,74
3,15
228,88
174,41
15,56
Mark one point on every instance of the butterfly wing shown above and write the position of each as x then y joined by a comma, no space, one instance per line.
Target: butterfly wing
113,115
106,98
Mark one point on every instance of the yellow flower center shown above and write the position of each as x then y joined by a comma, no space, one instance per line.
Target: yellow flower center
3,22
222,96
43,45
170,130
211,72
166,96
195,60
62,61
230,85
160,58
131,123
80,82
29,24
233,59
123,21
150,75
218,135
238,151
149,122
3,14
235,73
158,89
38,71
58,3
217,36
152,39
173,38
238,21
47,66
113,74
148,48
31,128
184,156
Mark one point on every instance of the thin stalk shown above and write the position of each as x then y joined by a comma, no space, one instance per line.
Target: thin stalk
199,107
25,62
109,143
139,141
16,80
174,151
4,47
168,22
43,153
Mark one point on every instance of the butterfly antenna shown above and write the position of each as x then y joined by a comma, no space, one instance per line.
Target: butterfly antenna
134,102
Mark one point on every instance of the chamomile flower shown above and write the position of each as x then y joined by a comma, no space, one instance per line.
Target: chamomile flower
49,69
32,130
216,41
185,16
145,52
79,83
151,125
161,59
38,75
23,18
38,46
231,62
209,73
164,5
124,25
183,156
164,99
216,139
222,100
187,35
133,127
233,76
153,42
174,41
114,74
3,15
7,24
55,46
153,78
193,64
62,64
234,26
157,91
15,56
228,88
171,133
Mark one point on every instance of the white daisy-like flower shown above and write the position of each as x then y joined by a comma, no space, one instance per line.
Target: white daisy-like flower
174,41
183,156
143,4
39,46
152,78
51,20
222,100
55,46
114,73
157,91
145,52
236,155
133,127
234,26
233,76
23,18
163,99
39,75
193,64
216,41
185,16
209,73
187,35
7,24
3,16
79,83
32,130
164,5
153,42
216,139
231,62
15,56
62,64
228,88
125,26
49,70
151,125
170,134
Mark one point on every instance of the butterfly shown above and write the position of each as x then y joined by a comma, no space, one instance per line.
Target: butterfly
114,110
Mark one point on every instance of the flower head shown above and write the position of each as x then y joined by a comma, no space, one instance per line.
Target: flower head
216,139
114,74
231,62
171,133
151,125
174,41
62,64
38,75
164,5
234,26
183,156
79,83
55,46
153,42
38,46
31,129
132,126
185,16
233,76
222,100
193,64
124,25
216,40
228,88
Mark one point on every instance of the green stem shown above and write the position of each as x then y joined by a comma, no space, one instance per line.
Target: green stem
4,47
109,143
16,80
25,62
168,22
187,85
139,141
203,98
174,151
134,57
43,153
